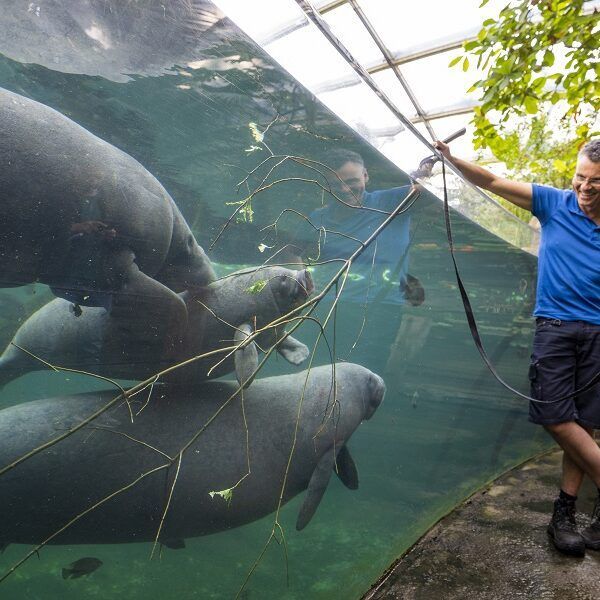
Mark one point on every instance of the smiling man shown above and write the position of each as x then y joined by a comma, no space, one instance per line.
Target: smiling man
566,346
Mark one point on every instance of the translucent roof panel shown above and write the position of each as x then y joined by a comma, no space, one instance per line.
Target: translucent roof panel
309,57
347,26
436,86
415,34
405,25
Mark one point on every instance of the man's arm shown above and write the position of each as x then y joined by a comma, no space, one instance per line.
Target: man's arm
520,194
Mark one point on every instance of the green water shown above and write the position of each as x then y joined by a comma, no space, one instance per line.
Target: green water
445,427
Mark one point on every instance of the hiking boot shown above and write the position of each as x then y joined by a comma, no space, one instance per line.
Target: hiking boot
591,534
563,529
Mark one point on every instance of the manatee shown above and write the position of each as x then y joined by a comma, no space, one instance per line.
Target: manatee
228,310
89,220
46,491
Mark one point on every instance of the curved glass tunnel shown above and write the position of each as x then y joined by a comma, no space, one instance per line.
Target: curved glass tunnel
202,108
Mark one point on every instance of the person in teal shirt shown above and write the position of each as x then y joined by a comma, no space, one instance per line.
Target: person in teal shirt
350,217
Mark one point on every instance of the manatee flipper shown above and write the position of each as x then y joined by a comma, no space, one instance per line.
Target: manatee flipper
144,308
316,488
293,350
245,359
346,469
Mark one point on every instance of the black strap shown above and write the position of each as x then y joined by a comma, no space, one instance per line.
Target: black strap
473,325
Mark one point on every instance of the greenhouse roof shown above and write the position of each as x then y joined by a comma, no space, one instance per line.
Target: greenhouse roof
405,46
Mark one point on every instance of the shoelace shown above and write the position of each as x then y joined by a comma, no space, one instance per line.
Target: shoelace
565,511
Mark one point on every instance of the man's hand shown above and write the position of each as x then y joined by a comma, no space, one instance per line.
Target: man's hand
444,149
412,290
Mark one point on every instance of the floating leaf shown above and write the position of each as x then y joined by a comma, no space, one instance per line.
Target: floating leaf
227,495
256,134
257,287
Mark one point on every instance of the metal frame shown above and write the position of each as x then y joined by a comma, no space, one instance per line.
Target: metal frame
392,61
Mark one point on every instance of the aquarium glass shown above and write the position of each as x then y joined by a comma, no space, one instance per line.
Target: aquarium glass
247,155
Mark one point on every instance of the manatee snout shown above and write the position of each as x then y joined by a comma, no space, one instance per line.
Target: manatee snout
376,392
305,286
305,279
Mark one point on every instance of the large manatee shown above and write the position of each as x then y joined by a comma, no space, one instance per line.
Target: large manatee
46,491
89,220
228,310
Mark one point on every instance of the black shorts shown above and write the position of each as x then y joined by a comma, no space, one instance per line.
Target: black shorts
566,355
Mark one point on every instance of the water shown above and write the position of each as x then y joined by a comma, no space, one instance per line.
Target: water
445,427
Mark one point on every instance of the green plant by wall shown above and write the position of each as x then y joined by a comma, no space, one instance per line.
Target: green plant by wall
523,81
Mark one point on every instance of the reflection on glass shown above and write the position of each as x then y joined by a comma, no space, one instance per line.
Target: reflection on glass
155,207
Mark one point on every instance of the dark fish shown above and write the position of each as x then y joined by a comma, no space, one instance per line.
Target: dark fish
81,567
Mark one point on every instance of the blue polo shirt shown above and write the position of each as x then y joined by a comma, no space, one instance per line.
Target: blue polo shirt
379,278
568,285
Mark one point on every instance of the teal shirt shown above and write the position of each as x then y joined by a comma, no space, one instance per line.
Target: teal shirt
381,267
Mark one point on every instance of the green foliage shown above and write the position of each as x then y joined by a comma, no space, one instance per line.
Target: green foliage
517,52
227,495
257,287
531,150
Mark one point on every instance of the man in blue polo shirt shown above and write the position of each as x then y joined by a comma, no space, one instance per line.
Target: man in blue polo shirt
566,347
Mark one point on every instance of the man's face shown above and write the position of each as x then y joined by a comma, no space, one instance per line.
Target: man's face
586,183
351,184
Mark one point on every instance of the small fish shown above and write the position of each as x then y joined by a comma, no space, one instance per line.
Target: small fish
81,567
415,399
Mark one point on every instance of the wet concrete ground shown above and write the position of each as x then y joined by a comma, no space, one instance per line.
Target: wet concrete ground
495,547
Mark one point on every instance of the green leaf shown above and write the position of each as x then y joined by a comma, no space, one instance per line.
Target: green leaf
227,495
468,46
465,66
454,61
531,105
559,165
538,83
488,22
548,58
257,287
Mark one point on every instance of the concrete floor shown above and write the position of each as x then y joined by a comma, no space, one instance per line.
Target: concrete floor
495,547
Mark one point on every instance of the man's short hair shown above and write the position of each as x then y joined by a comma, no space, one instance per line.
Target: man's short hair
339,157
592,150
